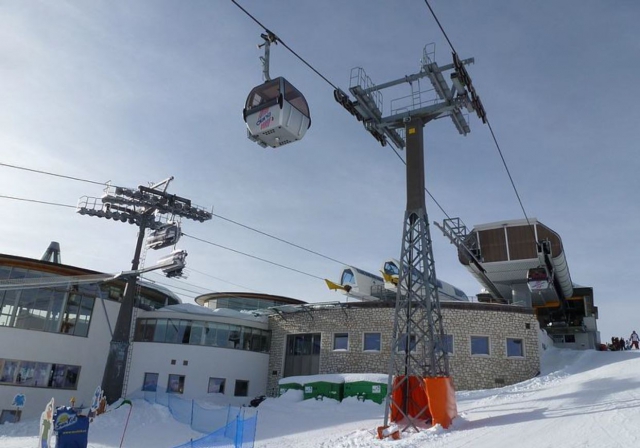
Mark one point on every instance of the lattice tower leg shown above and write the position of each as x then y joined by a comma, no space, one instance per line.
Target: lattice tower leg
418,348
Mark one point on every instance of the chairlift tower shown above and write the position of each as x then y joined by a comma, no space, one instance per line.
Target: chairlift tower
418,350
148,208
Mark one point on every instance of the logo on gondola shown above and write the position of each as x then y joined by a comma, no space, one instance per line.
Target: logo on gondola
264,118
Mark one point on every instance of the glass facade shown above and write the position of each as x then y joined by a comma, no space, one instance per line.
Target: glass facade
38,374
56,309
61,309
196,332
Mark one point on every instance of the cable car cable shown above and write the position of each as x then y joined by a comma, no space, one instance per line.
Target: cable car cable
493,135
441,28
177,279
218,216
280,239
218,278
36,201
199,239
285,45
52,174
335,87
171,286
253,256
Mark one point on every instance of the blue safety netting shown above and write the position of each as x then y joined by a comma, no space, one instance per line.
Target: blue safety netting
239,433
224,425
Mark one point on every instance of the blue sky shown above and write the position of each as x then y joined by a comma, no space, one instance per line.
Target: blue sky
135,92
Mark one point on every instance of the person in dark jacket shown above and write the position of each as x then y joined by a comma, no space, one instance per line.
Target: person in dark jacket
635,339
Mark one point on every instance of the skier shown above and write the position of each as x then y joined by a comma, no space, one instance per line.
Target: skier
634,339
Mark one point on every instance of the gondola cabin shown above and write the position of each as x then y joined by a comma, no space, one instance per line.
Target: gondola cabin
538,279
276,113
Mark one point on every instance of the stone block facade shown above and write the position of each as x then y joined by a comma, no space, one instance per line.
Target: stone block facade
461,320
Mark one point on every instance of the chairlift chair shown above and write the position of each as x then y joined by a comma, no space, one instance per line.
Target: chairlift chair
164,236
175,261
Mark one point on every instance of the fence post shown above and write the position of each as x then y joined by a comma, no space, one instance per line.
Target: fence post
192,404
239,431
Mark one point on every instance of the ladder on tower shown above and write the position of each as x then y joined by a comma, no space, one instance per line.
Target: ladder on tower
134,316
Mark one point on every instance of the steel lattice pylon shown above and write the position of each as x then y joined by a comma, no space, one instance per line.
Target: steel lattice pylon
418,347
418,352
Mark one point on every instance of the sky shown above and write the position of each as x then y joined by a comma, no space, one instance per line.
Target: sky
136,92
581,399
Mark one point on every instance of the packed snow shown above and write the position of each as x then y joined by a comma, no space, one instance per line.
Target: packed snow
580,399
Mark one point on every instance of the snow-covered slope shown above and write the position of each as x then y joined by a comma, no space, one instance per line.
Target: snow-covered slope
581,399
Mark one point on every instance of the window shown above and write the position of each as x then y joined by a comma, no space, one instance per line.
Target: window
242,388
64,376
234,336
150,382
371,342
196,332
402,343
563,338
160,332
515,348
341,341
10,416
175,385
448,343
38,374
303,344
222,335
347,278
480,345
216,386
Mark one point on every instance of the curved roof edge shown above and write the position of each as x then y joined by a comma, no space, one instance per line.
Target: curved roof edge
204,298
69,270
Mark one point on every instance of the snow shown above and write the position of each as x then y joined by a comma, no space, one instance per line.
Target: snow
581,399
336,378
191,308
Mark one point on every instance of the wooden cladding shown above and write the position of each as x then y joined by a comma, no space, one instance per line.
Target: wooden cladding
492,245
522,243
512,243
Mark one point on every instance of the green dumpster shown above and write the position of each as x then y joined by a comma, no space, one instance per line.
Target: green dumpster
287,386
323,389
366,390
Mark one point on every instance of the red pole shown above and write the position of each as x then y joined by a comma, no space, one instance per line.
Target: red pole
125,425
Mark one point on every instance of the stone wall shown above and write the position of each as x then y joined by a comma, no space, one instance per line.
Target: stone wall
461,320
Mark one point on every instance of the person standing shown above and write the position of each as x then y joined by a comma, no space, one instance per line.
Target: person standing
635,339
